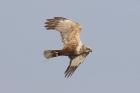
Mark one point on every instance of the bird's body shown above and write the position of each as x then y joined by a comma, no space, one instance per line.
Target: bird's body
72,45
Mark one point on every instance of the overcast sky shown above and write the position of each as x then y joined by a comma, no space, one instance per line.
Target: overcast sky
110,27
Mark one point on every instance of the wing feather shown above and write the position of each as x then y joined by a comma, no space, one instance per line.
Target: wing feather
75,61
69,30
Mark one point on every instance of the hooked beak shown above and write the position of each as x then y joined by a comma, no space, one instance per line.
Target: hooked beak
91,50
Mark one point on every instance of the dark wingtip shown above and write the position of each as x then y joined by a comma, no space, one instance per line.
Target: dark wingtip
59,18
52,23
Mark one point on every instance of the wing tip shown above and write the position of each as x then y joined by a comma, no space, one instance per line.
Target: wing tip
56,18
70,70
59,18
52,23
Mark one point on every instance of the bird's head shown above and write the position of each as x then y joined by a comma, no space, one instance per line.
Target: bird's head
87,49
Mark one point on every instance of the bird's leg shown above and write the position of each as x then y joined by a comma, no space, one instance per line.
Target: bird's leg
56,53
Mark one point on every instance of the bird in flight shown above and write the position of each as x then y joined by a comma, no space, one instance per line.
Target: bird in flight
72,45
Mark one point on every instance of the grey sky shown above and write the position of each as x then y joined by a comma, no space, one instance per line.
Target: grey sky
110,27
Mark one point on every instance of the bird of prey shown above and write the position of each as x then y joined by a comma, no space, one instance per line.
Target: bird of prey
72,45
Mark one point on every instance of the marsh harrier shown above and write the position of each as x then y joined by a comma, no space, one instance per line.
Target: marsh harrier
72,45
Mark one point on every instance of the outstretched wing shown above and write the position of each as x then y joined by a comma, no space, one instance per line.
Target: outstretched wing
75,61
69,30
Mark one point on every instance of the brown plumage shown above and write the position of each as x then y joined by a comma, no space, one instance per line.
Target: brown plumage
72,45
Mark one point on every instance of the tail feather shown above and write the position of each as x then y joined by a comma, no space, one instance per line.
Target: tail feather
49,54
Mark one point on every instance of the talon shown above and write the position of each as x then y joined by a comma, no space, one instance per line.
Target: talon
56,53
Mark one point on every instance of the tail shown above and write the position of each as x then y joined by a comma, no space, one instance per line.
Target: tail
52,53
49,54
